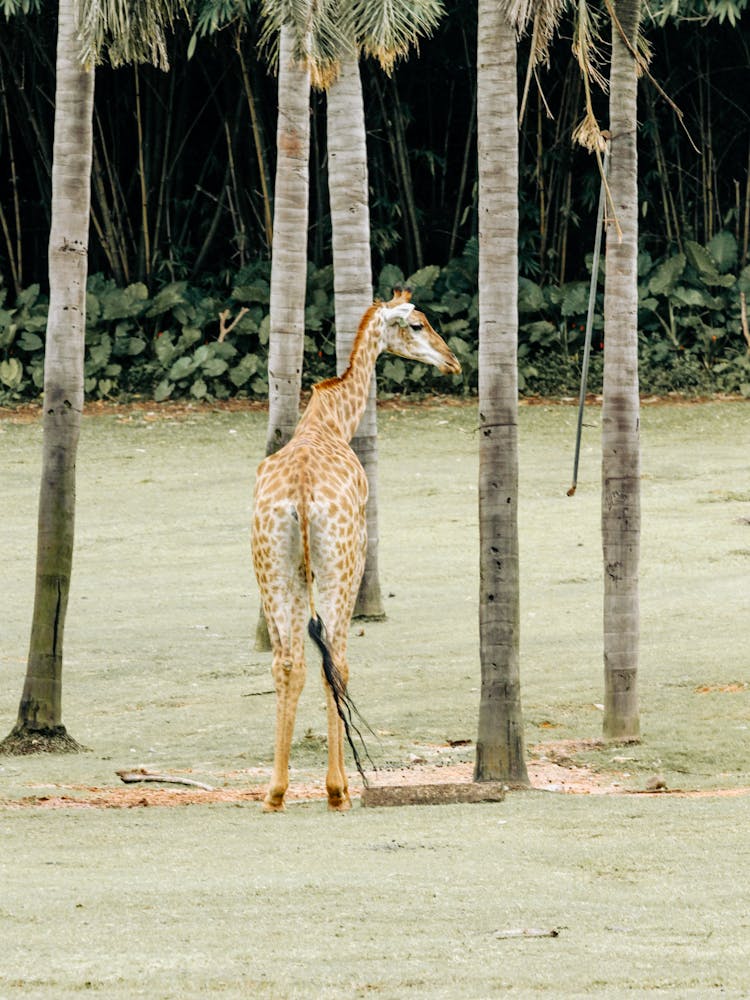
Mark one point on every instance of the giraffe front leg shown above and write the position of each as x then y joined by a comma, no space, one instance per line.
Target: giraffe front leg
289,679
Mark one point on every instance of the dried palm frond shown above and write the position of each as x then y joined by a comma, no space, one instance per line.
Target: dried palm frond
387,29
544,15
126,31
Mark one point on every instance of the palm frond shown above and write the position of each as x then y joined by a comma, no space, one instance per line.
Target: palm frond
319,40
387,29
126,31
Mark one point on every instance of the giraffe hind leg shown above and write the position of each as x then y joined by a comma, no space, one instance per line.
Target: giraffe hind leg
288,671
341,712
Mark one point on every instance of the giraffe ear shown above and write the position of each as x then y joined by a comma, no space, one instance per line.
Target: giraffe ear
401,293
397,313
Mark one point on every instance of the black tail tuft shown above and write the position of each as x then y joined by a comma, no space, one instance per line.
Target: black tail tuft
344,704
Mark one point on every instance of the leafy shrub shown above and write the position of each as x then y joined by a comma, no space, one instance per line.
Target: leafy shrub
168,345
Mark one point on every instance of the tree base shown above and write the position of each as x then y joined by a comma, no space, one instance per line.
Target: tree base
23,741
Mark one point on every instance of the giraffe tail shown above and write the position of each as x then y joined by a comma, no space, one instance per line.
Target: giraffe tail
344,704
345,707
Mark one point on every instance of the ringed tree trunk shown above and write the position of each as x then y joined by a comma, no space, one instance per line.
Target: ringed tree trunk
289,255
288,260
352,282
500,742
621,512
39,726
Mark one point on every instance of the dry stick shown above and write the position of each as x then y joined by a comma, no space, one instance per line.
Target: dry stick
141,774
223,317
526,932
590,318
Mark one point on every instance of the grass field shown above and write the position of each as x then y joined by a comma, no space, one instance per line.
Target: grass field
649,894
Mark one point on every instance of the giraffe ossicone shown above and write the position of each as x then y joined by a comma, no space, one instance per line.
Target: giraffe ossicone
309,534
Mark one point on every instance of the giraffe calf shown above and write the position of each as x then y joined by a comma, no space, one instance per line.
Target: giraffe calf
309,535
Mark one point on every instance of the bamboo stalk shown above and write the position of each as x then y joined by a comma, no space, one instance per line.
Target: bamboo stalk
15,250
402,154
389,133
464,171
105,228
668,202
260,152
146,243
162,198
9,244
746,223
540,186
120,229
240,234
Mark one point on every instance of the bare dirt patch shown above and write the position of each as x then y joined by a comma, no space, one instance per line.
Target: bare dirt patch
550,769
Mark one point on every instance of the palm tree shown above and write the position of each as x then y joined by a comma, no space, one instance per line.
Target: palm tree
386,31
352,283
500,753
621,514
124,32
289,258
320,43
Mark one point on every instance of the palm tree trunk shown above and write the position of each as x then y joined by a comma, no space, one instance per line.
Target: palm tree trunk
500,742
352,283
39,724
289,261
621,514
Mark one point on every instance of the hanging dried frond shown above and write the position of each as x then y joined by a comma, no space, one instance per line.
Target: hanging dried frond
544,15
588,45
588,134
126,31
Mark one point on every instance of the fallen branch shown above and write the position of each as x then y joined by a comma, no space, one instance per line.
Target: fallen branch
433,795
141,774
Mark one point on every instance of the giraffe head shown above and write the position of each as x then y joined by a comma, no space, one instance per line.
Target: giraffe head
407,332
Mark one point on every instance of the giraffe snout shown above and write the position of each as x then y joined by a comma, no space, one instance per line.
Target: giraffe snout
451,366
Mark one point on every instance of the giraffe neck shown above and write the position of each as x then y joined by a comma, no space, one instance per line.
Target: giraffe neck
341,401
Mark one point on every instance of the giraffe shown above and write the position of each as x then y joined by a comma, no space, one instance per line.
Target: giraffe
309,524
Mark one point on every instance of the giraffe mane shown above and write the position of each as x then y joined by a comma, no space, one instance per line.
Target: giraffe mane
331,383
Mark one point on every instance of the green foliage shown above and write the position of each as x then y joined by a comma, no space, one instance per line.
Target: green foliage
699,10
167,346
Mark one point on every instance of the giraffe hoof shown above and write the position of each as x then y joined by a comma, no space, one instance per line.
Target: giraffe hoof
273,805
339,803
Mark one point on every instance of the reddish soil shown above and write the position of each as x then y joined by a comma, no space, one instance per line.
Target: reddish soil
550,769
